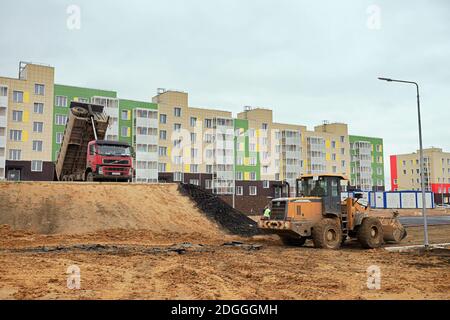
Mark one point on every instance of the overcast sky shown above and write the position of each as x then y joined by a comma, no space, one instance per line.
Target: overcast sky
309,61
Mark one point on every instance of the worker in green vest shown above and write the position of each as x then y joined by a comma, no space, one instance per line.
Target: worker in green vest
267,212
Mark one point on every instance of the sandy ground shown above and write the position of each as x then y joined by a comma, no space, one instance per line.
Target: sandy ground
144,257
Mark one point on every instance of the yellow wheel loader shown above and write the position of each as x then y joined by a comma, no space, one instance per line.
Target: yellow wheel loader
319,213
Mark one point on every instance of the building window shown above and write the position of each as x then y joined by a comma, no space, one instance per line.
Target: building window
208,184
193,121
17,116
177,176
36,165
163,134
194,168
15,135
342,139
39,89
380,171
239,161
252,161
3,91
161,167
194,153
18,96
15,154
342,151
162,151
239,175
333,156
252,147
59,137
335,169
162,118
38,127
239,190
343,163
124,115
193,137
253,176
252,190
37,145
178,160
60,120
124,131
208,123
266,184
38,108
177,127
195,182
209,168
378,147
61,101
333,144
177,112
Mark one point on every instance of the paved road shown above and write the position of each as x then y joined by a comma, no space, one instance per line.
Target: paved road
418,221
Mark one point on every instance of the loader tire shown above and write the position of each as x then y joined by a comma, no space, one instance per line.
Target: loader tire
370,233
327,234
295,242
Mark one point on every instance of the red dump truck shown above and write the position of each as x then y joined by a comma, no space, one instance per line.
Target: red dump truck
85,155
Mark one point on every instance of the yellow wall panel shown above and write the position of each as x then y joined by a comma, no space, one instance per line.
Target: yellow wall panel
129,115
187,168
327,144
26,97
327,157
26,116
169,150
128,132
246,176
24,135
168,167
75,99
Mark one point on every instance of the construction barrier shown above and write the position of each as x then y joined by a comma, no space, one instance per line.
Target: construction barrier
393,199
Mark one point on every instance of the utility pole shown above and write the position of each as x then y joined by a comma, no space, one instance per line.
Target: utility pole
422,162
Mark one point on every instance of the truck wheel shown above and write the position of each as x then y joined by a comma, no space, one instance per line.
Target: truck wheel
370,233
90,177
295,242
327,234
80,112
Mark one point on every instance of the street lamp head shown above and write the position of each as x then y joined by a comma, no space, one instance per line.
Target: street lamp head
385,79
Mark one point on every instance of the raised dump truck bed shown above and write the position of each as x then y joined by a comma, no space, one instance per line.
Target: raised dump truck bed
86,122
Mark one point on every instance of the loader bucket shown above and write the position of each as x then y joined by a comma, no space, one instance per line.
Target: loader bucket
393,230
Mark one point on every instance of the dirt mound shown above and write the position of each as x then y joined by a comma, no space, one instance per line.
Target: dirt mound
71,208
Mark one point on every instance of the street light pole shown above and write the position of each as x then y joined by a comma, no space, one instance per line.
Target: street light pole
422,162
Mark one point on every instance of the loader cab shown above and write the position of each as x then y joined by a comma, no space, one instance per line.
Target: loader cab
326,187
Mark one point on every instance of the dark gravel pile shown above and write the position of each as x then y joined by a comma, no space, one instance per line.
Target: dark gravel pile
220,212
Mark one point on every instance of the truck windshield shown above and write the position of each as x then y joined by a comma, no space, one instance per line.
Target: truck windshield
113,150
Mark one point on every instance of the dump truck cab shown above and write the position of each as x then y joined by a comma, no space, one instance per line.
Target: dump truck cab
319,213
109,160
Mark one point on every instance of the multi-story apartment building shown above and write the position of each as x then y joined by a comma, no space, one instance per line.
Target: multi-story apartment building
246,160
405,171
367,164
26,124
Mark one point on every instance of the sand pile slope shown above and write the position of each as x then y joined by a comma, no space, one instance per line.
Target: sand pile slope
73,208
